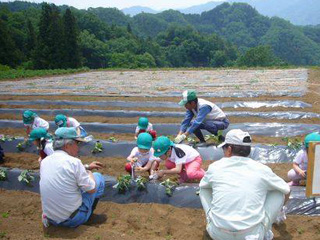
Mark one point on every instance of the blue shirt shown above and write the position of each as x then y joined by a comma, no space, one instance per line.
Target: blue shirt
203,112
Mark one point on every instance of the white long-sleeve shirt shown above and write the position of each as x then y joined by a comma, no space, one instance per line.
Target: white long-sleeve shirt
239,188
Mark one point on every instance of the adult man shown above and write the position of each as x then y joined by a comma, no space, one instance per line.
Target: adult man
241,197
207,115
69,193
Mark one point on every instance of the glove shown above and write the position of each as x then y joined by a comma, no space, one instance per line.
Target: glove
180,138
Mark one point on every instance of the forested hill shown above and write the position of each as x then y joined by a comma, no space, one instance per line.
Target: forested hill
45,36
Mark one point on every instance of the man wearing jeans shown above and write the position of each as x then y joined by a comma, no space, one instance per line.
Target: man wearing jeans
207,116
69,191
241,197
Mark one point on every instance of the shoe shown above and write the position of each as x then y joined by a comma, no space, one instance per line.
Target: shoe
96,219
269,235
281,216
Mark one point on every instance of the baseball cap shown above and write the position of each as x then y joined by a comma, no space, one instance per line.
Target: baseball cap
237,137
187,95
69,133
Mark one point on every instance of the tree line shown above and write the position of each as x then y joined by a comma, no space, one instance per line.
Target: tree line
44,36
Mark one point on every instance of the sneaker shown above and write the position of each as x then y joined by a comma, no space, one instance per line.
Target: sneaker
281,216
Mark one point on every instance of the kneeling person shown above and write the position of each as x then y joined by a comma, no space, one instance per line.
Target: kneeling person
179,159
43,141
69,192
64,121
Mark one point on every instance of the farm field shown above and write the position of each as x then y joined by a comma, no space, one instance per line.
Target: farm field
141,220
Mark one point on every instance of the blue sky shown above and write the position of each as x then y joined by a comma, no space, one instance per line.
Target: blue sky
120,4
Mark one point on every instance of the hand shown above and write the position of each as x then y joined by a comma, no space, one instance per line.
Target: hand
95,165
302,173
160,173
138,169
180,138
134,160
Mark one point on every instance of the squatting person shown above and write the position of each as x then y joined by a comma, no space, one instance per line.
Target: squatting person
241,197
207,116
69,191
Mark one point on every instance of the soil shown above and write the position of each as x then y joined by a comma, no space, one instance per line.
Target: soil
22,211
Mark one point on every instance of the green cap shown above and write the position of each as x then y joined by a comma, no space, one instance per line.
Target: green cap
39,133
28,116
162,145
61,120
187,96
312,137
68,133
144,141
143,123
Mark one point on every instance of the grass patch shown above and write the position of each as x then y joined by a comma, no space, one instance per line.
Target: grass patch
21,73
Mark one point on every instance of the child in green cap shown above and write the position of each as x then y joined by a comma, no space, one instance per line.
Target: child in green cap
300,162
43,141
142,157
31,120
179,159
145,126
64,121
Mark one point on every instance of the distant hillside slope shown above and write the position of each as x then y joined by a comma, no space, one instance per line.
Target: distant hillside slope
132,11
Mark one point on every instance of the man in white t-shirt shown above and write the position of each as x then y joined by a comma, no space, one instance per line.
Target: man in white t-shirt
241,197
69,191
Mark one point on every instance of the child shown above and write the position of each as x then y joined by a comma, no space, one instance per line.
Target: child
181,159
145,126
300,163
64,121
43,140
142,155
32,121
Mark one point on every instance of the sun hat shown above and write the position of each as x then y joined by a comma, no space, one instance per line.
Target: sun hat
312,137
61,120
187,95
162,145
237,137
144,141
39,133
143,123
28,116
69,133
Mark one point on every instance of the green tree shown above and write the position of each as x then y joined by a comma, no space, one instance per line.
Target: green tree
71,50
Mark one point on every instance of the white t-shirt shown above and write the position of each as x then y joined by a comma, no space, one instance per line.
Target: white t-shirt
149,128
190,154
39,123
239,189
143,158
71,122
62,177
302,159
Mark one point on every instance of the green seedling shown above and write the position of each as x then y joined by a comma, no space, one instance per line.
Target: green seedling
293,143
5,214
141,183
113,139
237,87
300,230
23,145
4,138
3,234
3,174
98,147
26,177
214,138
88,87
123,184
169,185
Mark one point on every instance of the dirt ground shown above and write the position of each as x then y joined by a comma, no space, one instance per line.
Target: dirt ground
21,219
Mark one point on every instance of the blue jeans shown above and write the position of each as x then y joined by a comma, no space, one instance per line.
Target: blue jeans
212,127
85,210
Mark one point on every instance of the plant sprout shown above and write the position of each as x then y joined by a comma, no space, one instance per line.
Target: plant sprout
169,185
141,183
26,177
3,174
98,147
123,184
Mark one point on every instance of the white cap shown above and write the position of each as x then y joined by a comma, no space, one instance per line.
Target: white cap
236,137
